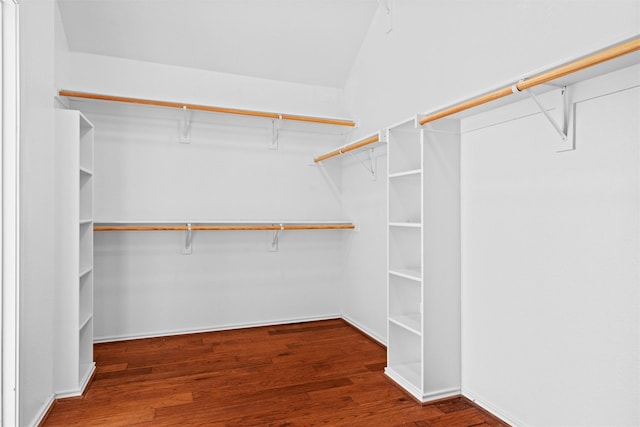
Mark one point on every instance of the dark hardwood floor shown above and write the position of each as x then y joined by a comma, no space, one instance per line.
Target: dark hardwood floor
307,374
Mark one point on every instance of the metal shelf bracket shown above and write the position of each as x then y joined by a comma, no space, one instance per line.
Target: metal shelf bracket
370,166
274,240
560,129
566,115
187,249
185,126
275,132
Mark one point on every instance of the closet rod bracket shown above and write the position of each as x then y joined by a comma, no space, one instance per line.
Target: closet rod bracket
276,124
373,165
185,126
274,240
187,249
370,166
567,111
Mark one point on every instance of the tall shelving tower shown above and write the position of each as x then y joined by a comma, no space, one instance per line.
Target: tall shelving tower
73,356
424,259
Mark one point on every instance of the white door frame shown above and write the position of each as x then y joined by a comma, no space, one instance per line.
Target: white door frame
9,214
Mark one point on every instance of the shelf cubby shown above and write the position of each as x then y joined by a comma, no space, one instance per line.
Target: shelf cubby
404,150
404,356
405,199
405,248
86,245
85,145
86,196
405,306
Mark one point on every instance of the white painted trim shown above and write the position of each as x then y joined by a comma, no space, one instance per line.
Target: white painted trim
78,391
368,332
42,412
492,409
441,394
165,333
416,393
10,214
404,384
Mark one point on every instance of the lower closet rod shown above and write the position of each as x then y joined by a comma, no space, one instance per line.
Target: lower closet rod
223,227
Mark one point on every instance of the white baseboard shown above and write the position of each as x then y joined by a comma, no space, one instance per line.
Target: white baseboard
83,385
364,330
42,411
492,409
165,333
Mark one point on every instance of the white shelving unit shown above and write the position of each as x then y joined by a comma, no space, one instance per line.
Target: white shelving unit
74,363
424,260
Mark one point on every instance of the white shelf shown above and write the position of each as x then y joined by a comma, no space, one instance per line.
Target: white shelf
406,224
411,274
86,271
85,320
404,149
410,322
86,171
415,173
86,221
410,372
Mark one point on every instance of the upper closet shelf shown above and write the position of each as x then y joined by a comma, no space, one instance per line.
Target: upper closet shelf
93,102
369,141
619,56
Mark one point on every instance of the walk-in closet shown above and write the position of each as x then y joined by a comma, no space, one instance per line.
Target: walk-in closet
339,212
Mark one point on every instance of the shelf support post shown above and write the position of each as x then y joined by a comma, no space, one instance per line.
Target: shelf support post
188,248
185,126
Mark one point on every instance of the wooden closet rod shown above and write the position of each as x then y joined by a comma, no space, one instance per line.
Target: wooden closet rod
223,227
322,120
545,77
367,141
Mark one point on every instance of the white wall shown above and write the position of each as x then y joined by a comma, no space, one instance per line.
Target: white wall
137,79
439,53
364,296
62,57
145,286
143,173
551,248
36,205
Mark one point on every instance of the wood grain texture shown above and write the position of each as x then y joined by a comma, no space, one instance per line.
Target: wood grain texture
575,66
316,373
212,109
541,78
223,227
347,148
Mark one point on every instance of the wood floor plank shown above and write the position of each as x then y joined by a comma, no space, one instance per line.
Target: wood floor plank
323,373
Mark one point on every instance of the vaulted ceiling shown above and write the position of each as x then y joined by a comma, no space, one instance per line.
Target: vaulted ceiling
304,41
